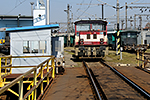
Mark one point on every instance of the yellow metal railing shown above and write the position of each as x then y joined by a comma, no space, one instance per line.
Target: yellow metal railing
32,88
141,59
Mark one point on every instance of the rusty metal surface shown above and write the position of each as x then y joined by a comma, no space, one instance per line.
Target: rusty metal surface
138,76
112,85
73,85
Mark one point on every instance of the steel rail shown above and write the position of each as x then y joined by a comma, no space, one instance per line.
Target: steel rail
92,80
128,80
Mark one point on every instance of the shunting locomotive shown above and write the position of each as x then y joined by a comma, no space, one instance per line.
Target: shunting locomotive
90,38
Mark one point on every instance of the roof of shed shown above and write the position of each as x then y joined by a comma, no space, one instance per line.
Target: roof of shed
28,28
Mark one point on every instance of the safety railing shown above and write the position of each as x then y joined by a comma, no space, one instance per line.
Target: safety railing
141,59
33,84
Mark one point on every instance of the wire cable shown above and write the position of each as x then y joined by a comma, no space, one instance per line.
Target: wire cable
16,7
86,9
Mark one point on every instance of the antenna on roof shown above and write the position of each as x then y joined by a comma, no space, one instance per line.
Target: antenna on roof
40,4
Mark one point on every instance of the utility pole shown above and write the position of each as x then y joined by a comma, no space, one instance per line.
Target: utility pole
102,11
135,21
18,23
141,29
72,22
126,7
47,10
122,23
68,24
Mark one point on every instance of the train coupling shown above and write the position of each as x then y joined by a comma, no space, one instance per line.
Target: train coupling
60,64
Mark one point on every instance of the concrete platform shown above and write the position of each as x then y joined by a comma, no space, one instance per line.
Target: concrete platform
73,85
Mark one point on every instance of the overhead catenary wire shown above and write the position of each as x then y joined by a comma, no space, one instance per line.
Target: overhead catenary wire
115,7
86,9
15,7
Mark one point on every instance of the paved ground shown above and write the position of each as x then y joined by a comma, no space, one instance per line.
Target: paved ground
68,61
73,85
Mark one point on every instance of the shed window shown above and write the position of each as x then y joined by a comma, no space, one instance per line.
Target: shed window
26,48
34,46
43,47
94,36
88,36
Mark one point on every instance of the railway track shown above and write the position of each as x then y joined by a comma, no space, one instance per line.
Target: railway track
111,84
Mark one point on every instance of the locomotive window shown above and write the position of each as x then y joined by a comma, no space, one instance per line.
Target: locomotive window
94,36
97,27
128,35
83,27
104,27
88,36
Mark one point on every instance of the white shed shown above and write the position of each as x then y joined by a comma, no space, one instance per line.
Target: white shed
29,41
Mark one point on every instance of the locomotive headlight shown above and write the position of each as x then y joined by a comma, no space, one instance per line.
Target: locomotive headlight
101,41
82,41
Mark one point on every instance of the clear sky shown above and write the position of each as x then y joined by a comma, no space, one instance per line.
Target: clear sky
57,7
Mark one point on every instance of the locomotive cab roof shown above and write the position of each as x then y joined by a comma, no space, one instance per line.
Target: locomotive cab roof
90,22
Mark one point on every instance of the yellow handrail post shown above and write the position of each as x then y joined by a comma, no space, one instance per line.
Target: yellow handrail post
42,78
21,89
5,65
34,84
143,60
53,65
32,93
138,57
47,72
29,95
11,64
1,81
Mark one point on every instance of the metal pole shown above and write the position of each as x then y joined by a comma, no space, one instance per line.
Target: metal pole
68,24
135,21
21,89
18,20
121,49
53,66
102,11
47,10
143,59
34,84
118,33
32,3
122,24
138,58
1,80
141,29
72,22
126,14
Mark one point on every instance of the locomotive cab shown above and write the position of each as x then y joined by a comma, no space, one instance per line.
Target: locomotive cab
90,38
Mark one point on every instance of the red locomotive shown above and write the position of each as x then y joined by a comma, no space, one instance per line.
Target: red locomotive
90,38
